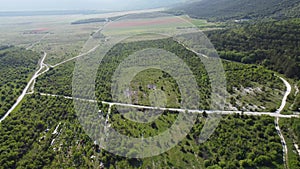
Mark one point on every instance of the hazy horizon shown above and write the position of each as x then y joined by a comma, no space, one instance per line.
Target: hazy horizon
109,5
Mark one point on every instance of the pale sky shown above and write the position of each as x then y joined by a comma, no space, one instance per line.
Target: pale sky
36,5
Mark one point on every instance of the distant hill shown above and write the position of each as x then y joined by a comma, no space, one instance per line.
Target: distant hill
221,10
272,40
46,13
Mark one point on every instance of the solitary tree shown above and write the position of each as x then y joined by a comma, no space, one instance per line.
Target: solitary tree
205,115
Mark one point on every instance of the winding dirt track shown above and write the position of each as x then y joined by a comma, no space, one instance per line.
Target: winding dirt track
29,84
283,103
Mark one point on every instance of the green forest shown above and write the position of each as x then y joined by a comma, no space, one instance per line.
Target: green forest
273,44
239,141
17,65
57,81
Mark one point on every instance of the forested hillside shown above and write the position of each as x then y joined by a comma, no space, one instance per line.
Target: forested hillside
274,44
222,10
266,32
16,66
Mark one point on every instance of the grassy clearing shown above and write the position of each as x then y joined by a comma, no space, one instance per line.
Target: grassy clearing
202,24
158,87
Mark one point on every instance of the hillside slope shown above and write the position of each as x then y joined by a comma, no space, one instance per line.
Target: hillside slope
274,44
221,10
